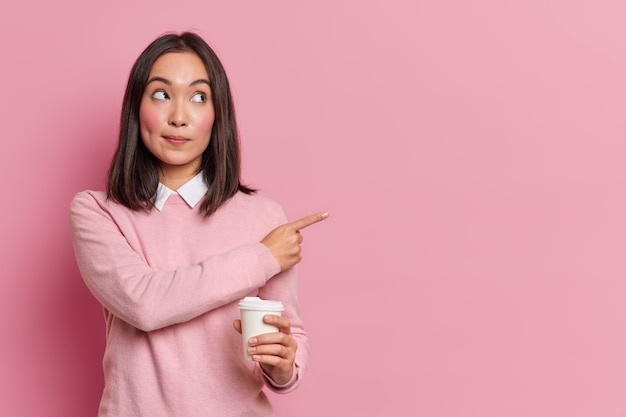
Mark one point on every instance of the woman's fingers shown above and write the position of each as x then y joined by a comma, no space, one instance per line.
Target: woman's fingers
284,241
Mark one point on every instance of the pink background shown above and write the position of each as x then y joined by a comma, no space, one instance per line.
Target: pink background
471,154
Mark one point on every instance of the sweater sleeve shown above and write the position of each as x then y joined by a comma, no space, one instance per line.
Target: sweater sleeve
283,287
150,299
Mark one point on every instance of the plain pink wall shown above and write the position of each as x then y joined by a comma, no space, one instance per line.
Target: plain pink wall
471,154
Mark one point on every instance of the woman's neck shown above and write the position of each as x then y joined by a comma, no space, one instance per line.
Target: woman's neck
173,178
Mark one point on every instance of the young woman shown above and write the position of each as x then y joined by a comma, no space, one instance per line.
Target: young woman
177,240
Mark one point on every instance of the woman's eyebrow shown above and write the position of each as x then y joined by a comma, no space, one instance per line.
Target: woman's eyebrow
200,81
161,79
168,82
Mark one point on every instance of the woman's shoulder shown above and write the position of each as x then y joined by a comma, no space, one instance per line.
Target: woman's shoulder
87,205
88,197
261,205
90,201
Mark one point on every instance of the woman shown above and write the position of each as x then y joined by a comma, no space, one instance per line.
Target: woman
177,240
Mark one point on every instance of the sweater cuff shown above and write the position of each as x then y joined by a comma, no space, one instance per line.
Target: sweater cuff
267,260
281,388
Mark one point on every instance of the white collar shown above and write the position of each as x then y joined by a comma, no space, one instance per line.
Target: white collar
192,192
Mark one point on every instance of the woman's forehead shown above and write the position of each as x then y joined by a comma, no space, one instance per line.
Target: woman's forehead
179,66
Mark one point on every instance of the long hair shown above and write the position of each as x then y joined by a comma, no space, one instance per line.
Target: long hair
133,176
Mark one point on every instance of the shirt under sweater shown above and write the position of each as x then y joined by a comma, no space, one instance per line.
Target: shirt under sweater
169,282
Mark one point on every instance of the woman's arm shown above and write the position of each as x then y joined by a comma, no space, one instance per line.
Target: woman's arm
150,299
283,287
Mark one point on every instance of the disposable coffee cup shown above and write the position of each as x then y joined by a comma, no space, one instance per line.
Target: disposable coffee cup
252,310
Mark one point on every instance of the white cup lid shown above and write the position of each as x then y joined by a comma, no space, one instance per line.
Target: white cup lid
256,303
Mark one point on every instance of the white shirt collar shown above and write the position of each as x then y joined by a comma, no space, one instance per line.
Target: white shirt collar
192,192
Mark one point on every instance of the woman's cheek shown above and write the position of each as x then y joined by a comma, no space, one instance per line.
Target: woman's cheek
204,122
149,120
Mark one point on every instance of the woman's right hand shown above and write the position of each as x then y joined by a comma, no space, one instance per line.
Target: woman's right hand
284,241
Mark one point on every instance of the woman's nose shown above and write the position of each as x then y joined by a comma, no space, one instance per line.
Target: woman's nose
178,116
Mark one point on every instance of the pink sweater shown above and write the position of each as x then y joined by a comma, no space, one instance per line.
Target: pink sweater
169,283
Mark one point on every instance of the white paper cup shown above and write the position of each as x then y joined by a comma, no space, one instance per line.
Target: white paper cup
252,310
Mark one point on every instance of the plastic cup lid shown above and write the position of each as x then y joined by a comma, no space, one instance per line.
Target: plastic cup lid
256,303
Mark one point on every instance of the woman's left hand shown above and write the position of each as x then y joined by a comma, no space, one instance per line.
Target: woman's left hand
275,352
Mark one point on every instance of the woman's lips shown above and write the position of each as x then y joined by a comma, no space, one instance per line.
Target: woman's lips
176,140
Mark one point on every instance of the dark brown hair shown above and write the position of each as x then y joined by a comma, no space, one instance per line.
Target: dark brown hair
133,176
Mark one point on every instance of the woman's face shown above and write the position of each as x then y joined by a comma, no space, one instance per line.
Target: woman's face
176,115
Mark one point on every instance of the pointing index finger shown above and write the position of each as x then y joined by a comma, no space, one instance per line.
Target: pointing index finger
308,220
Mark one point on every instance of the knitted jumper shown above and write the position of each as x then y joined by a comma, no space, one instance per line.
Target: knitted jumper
169,283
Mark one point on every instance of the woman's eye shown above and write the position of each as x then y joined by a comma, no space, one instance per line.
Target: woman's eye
159,95
199,98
